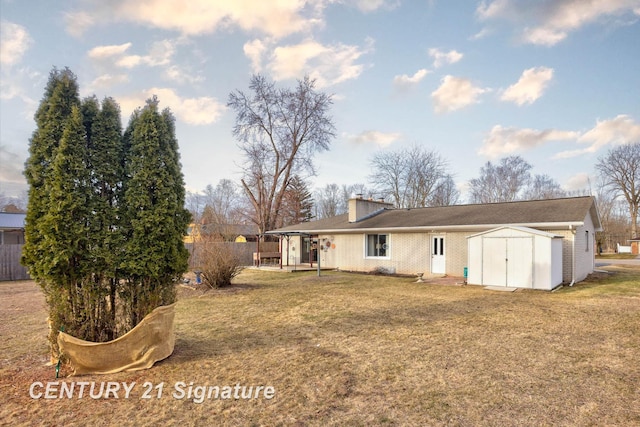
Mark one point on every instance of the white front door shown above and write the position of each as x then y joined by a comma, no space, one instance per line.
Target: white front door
437,255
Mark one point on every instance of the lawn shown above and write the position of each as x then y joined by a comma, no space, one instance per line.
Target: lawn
616,256
348,349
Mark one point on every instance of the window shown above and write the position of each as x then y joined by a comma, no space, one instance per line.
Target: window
438,246
377,245
586,239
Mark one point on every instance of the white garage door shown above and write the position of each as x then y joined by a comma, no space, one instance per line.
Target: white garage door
507,261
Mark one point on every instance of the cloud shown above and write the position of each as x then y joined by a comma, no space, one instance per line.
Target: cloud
372,5
529,87
380,139
196,17
578,182
481,34
181,75
255,50
553,20
78,22
502,141
195,111
622,129
107,52
455,93
441,58
160,53
108,80
111,59
15,79
404,82
12,165
14,42
328,64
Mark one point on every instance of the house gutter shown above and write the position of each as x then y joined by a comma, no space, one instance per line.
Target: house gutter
428,228
573,257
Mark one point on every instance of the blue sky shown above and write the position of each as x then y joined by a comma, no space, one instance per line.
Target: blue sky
554,81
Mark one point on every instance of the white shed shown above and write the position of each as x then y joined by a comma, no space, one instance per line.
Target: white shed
517,257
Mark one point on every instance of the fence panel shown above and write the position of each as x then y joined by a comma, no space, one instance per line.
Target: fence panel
244,249
10,267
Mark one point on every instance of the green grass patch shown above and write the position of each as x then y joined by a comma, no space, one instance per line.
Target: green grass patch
616,256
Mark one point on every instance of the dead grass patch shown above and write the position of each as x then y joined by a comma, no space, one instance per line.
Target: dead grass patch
347,349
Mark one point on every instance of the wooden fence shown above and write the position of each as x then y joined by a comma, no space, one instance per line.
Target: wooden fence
10,267
245,250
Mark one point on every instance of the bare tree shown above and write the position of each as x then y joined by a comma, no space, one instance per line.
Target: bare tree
613,223
620,172
279,131
14,203
222,203
408,176
543,187
328,201
502,182
446,193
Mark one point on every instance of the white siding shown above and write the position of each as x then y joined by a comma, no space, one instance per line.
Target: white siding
515,257
410,253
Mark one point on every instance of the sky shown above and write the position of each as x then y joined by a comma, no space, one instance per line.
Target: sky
556,82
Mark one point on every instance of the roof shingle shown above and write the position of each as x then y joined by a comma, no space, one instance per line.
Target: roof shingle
571,210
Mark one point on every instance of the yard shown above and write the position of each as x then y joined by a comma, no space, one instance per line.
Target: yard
347,349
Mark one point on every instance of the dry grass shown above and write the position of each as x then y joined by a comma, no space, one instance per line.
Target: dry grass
616,256
346,349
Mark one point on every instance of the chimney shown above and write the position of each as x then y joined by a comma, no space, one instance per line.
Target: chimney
360,208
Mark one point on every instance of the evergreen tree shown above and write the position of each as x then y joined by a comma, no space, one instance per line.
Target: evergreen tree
105,152
297,203
65,233
103,207
61,95
155,219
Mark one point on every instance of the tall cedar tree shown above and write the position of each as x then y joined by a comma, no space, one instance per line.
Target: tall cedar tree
61,95
155,219
106,164
53,215
84,234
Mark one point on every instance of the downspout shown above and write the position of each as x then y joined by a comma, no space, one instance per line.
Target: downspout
573,257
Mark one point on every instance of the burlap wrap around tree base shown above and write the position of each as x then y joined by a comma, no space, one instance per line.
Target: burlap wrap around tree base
151,340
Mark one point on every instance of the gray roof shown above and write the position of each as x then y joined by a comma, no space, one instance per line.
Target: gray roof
12,221
551,213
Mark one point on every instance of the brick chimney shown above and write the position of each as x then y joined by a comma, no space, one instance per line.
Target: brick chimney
360,208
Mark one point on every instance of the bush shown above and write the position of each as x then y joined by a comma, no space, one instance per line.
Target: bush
220,263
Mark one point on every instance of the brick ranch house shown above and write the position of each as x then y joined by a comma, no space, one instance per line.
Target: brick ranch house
553,237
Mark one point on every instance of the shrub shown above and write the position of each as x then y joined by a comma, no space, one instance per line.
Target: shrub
220,263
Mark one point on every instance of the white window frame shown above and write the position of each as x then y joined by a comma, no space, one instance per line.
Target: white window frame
387,243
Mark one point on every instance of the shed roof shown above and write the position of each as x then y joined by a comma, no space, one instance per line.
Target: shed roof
527,230
551,213
12,221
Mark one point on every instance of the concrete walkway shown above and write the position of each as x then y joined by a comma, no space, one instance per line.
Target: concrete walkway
605,262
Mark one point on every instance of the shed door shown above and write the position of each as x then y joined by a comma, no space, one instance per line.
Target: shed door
507,261
520,262
494,261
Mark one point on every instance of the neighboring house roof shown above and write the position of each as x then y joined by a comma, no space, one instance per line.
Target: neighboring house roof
552,213
12,221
